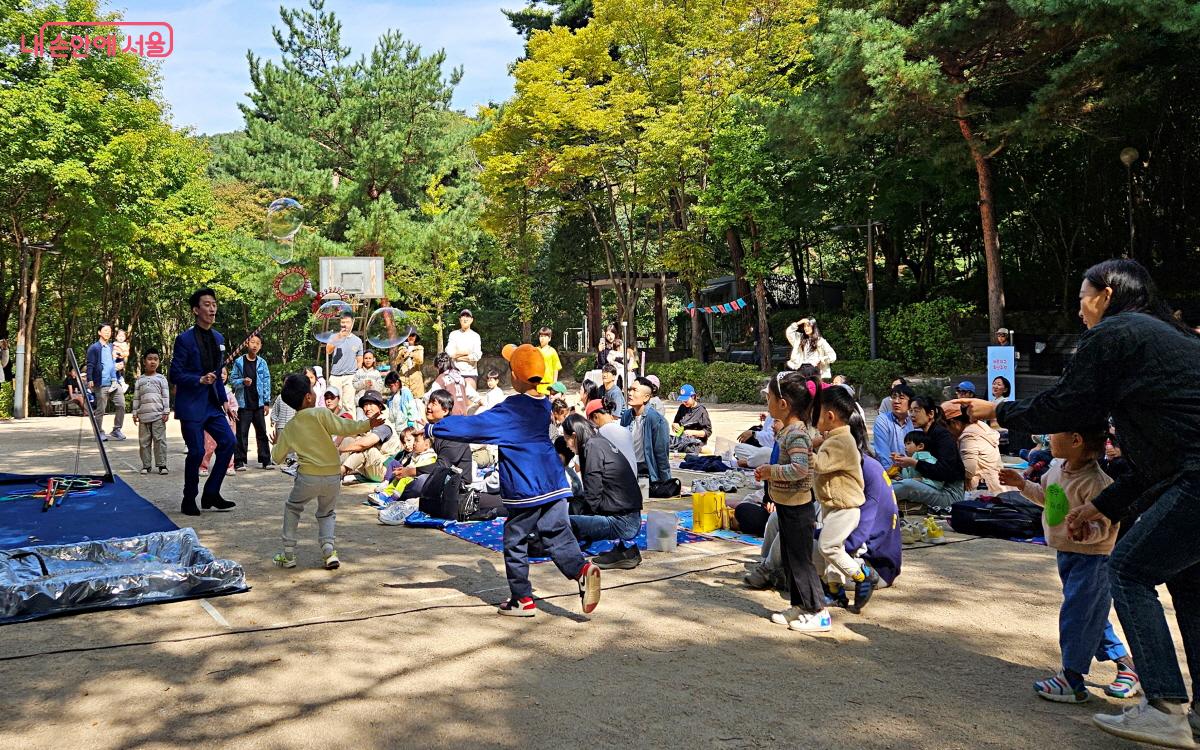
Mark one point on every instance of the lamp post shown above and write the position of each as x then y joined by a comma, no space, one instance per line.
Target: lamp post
1128,156
870,227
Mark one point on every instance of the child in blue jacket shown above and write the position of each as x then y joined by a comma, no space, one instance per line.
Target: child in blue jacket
532,484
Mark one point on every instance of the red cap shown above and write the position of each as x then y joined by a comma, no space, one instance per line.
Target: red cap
592,407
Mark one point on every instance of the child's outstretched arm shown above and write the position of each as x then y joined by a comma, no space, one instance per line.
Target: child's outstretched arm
492,427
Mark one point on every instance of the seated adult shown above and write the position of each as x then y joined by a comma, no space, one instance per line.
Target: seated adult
611,496
965,389
601,414
363,455
452,457
886,404
650,435
692,426
656,403
612,389
891,426
74,393
979,446
947,465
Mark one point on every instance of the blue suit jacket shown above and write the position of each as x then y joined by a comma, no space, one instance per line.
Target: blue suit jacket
193,401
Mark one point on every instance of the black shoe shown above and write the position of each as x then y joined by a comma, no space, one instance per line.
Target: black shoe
188,508
864,589
216,502
619,557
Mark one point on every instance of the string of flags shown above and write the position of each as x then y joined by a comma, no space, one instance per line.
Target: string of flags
722,309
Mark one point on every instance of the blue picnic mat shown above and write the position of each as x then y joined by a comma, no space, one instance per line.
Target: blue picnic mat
113,510
490,534
685,520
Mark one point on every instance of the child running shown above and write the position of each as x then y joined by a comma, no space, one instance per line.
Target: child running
319,476
838,484
1084,631
790,400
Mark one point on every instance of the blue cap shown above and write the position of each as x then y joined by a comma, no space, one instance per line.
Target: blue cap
686,392
967,385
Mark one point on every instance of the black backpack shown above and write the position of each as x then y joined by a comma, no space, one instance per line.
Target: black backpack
1000,517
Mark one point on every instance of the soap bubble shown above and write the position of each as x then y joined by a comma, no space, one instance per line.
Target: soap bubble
284,217
328,319
387,327
282,252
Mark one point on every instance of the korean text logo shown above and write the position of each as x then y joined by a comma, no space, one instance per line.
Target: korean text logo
142,38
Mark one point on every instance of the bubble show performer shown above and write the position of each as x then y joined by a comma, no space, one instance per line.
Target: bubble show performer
196,373
532,483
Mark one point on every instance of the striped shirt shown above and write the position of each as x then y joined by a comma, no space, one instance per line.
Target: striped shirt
790,480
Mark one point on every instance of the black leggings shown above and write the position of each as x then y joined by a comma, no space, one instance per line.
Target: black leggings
796,526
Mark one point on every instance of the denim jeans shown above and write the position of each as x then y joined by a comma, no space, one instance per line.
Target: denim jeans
916,491
1084,631
624,527
1162,548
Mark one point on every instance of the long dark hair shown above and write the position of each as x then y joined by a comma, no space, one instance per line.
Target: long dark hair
578,427
802,394
840,400
1132,290
443,363
813,338
934,408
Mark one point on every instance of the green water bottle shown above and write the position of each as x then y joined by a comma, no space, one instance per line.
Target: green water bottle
1057,505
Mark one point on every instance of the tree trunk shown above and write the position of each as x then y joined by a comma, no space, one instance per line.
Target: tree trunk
987,216
35,276
760,302
798,272
737,254
697,325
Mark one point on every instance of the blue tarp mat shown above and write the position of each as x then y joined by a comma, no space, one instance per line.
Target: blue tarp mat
110,511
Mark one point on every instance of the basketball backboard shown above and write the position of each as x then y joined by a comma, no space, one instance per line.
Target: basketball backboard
358,276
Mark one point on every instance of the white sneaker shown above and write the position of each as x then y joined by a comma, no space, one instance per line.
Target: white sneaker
786,616
117,435
103,438
350,479
395,513
1144,723
289,470
817,622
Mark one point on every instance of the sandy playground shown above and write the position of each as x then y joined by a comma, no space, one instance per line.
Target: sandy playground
401,647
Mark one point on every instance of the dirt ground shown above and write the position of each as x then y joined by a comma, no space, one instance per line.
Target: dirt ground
401,647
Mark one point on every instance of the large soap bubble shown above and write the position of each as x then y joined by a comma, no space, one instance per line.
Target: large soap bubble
387,327
284,217
328,319
282,252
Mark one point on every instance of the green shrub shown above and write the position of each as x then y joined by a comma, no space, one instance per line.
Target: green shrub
582,365
6,399
726,381
922,336
869,376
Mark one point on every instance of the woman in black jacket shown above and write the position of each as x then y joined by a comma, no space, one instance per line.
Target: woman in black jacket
1140,366
927,415
610,493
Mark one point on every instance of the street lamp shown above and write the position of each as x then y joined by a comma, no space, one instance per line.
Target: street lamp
870,227
1129,155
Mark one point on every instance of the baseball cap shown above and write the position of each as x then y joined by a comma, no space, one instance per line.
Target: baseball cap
558,387
592,407
372,397
333,392
465,313
1005,331
967,385
654,379
686,392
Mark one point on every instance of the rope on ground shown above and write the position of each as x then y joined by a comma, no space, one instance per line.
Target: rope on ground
338,620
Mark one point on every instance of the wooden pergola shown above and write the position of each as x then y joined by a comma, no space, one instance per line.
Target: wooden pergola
659,282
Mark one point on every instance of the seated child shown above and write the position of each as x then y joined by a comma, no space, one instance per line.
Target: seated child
319,475
1084,632
914,446
418,451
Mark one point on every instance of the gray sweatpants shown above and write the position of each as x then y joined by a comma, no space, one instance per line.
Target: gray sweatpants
322,489
832,561
102,398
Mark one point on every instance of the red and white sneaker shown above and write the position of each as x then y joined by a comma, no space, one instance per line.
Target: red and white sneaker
518,607
589,587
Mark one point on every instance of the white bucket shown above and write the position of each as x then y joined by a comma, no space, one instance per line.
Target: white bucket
661,531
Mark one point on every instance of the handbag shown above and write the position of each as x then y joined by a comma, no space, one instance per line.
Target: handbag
666,488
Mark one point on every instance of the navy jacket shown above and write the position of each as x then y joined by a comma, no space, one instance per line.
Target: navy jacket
193,401
656,440
878,526
94,364
530,472
1145,374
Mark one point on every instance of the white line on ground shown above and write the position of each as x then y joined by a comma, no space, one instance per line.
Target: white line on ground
212,611
131,466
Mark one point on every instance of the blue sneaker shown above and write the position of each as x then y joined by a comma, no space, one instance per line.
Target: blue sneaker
865,588
835,595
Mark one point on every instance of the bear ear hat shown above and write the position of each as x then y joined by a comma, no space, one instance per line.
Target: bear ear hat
527,363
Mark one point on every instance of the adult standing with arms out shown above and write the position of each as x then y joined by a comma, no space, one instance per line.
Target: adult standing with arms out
199,400
346,356
1140,366
251,381
101,374
809,347
465,348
